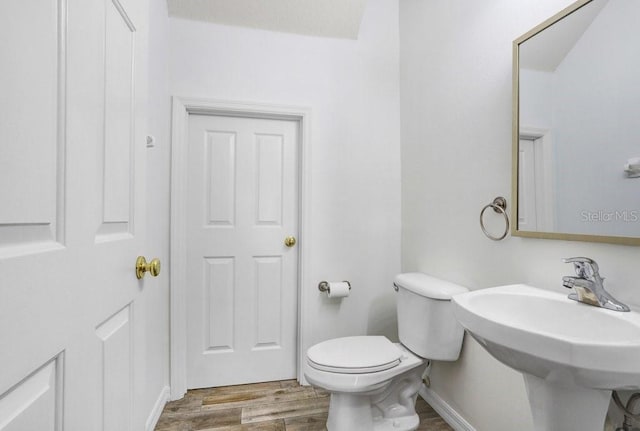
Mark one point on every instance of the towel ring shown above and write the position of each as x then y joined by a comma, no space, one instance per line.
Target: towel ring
499,205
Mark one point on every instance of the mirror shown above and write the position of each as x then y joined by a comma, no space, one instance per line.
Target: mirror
576,146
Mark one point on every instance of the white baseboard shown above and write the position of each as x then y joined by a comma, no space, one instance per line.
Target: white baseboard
156,411
452,417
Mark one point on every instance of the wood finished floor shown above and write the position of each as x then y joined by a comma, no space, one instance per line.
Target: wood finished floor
271,406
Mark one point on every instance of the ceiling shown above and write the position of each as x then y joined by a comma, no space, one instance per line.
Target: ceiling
546,50
326,18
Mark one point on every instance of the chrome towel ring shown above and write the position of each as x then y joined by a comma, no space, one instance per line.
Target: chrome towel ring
499,205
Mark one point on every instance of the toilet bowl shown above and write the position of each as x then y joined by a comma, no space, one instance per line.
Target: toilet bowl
373,382
374,394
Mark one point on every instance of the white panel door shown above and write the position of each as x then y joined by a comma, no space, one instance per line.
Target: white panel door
527,202
242,278
71,165
536,208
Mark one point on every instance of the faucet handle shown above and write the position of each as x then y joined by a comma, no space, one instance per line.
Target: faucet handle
584,266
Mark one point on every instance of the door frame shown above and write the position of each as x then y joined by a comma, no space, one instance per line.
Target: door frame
182,108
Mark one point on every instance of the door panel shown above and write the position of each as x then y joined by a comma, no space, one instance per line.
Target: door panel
220,169
242,282
119,120
268,300
269,181
31,145
219,300
116,339
34,403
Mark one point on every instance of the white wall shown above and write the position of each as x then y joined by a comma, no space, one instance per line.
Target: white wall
455,74
352,89
536,99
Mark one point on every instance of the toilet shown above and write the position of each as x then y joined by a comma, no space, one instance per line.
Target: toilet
373,382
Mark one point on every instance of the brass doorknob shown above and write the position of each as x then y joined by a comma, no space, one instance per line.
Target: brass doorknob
142,267
290,241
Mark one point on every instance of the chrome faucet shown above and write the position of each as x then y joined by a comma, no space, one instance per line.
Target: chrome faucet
589,286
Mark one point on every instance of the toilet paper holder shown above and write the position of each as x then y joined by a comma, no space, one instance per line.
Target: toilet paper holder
324,286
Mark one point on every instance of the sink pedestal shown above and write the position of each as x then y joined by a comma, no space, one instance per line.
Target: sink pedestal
561,406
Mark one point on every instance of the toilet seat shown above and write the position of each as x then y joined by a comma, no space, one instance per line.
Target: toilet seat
355,355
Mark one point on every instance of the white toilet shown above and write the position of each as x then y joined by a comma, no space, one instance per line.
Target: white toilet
374,382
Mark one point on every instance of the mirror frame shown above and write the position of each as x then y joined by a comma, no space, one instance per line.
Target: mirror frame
516,139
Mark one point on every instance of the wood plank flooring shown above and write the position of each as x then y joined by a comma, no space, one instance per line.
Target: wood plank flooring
271,406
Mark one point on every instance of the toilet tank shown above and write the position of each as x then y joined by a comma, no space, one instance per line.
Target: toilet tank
426,324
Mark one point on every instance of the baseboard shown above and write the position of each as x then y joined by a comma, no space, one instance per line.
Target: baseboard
156,411
452,417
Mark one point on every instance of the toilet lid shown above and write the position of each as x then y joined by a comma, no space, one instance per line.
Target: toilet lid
354,355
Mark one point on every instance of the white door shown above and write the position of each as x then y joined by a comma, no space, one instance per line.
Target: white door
71,165
536,208
527,213
242,279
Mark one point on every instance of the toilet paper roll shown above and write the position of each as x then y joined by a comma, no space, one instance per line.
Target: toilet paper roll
338,289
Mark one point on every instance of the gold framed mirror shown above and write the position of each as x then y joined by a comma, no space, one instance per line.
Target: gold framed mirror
576,100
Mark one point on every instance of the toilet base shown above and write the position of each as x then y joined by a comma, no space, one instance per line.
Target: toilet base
407,423
391,407
348,412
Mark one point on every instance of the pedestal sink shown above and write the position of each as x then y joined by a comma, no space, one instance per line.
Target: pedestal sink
572,355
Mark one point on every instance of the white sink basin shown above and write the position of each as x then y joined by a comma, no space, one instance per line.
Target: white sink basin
571,354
